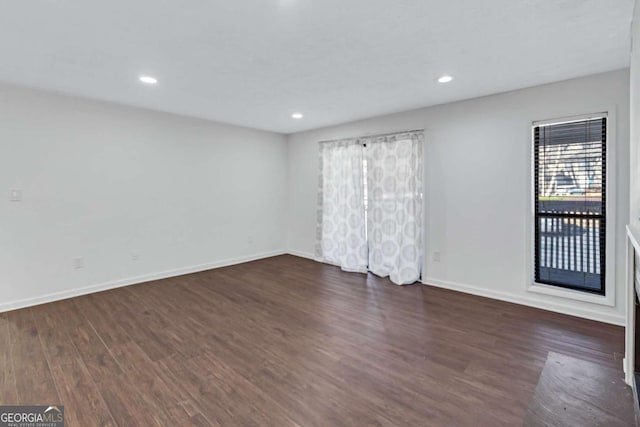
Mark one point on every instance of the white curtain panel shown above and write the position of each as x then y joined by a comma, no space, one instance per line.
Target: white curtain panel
394,186
341,215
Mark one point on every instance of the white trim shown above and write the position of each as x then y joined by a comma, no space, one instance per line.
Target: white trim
522,300
611,240
56,296
541,288
609,298
633,238
630,312
302,254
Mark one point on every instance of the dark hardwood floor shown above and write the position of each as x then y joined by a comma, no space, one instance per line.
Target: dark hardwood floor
574,392
288,341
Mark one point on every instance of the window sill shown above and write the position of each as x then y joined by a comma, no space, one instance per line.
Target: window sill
572,294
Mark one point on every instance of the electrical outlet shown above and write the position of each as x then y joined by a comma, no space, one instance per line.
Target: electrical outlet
250,239
78,262
436,256
135,256
15,195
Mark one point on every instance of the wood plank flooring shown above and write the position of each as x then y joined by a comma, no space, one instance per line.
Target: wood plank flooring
574,392
286,341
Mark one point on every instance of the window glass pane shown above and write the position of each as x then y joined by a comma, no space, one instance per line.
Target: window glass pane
569,168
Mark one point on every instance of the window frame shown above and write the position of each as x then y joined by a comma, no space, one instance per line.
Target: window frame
610,217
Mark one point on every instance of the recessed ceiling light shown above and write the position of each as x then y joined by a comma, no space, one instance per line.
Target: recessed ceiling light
445,79
148,80
297,115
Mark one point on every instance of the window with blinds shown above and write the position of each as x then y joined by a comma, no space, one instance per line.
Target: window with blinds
569,204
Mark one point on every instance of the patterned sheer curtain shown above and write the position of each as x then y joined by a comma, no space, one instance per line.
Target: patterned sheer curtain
394,187
386,236
341,215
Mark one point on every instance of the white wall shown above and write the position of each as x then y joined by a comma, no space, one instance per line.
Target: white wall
635,122
634,187
478,186
101,180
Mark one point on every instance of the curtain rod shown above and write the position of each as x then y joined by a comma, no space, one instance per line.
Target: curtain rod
374,135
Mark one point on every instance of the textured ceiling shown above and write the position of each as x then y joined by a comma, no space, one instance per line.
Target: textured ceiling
254,62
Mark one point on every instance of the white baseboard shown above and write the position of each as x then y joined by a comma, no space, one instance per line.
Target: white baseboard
56,296
516,299
302,254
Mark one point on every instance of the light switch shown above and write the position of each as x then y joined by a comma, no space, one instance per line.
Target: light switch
16,195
